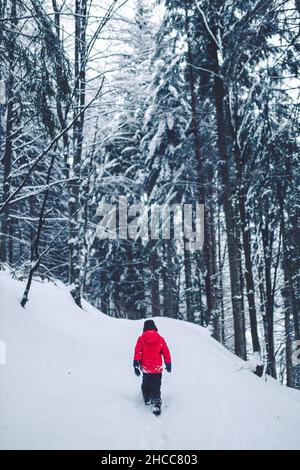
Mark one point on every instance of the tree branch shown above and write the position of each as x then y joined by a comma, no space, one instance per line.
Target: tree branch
47,149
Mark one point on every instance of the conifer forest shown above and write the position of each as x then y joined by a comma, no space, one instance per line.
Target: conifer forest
158,104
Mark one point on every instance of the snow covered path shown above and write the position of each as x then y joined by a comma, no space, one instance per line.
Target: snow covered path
69,383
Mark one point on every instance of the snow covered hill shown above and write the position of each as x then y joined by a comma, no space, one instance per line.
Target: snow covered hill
68,383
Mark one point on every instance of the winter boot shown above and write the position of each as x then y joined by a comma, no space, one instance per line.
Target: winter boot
156,409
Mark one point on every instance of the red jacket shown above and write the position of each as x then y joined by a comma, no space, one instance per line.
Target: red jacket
149,349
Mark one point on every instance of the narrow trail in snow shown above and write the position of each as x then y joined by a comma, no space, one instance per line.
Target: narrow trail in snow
152,429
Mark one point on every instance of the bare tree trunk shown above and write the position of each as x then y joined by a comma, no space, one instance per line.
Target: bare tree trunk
200,287
167,280
288,339
6,253
79,98
116,295
154,279
188,285
232,233
104,300
249,273
62,113
36,264
220,279
291,278
208,255
211,272
35,255
245,229
267,238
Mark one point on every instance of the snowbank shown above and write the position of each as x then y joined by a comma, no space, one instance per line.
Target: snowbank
68,383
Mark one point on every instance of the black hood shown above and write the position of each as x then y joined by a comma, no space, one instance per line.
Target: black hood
149,325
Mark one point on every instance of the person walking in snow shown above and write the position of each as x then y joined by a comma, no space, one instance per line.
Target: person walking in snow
148,353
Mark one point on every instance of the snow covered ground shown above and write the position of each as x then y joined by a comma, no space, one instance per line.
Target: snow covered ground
68,383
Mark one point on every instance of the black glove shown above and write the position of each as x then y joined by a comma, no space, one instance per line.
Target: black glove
168,367
136,366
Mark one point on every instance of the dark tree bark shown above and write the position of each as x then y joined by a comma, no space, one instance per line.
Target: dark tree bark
116,294
245,228
267,240
188,286
203,178
154,278
220,278
288,339
232,238
79,99
168,294
291,277
62,88
211,277
6,241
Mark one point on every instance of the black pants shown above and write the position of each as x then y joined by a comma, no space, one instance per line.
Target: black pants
151,387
